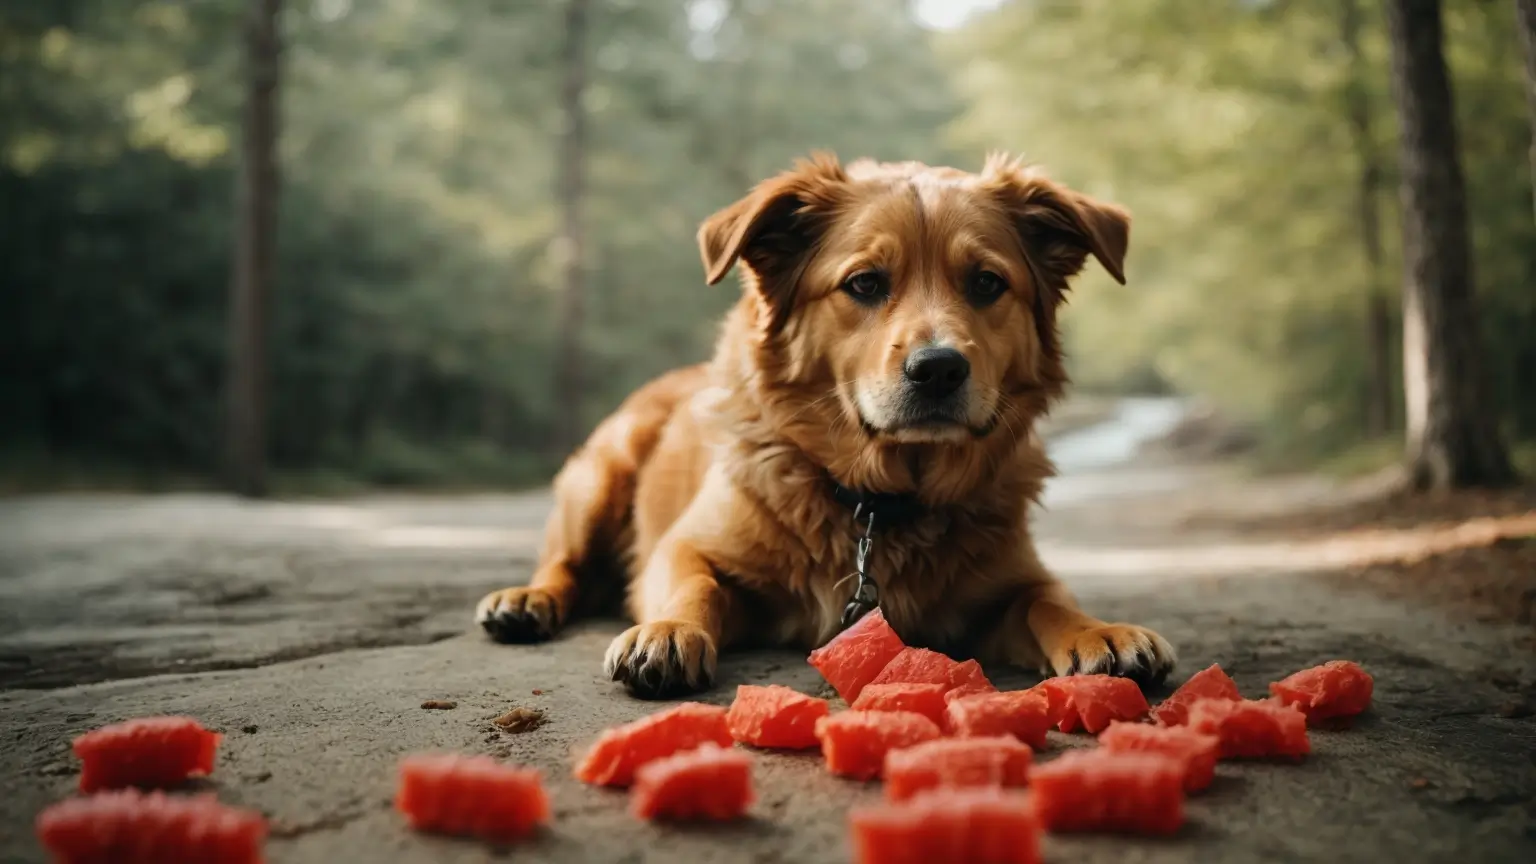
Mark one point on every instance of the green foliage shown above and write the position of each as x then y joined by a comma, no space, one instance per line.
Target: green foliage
1223,127
414,310
415,305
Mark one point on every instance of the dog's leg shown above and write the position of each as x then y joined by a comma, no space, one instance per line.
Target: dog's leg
593,493
682,609
1044,629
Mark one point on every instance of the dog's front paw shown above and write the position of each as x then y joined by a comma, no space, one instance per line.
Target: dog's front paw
662,659
1115,649
519,615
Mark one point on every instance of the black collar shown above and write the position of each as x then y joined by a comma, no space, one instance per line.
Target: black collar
890,509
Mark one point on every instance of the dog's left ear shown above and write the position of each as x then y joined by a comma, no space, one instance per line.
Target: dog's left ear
1060,226
775,226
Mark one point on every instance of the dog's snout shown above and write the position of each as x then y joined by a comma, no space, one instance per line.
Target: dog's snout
936,372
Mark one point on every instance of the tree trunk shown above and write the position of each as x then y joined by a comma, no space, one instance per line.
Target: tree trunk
1453,440
255,251
1378,415
1525,11
569,245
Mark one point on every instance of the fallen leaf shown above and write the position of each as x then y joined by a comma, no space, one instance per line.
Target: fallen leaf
520,720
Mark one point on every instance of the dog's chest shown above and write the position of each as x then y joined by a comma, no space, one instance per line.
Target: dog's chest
929,575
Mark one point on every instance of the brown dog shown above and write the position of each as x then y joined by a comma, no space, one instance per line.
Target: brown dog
893,346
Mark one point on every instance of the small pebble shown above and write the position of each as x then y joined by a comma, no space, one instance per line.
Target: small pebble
1514,710
439,705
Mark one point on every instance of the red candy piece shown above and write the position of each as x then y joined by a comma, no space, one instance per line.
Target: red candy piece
854,743
473,796
855,656
1101,790
618,752
1252,728
1089,702
775,716
149,751
950,763
1197,751
1023,714
947,826
1338,688
924,699
704,784
1208,683
133,827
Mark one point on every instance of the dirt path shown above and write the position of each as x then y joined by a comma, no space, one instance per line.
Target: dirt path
311,633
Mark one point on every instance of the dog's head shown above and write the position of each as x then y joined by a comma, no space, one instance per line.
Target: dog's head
898,305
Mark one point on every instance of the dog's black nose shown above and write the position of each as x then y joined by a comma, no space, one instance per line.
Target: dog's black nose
936,372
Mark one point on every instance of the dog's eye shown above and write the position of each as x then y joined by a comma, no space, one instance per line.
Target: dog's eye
985,287
867,286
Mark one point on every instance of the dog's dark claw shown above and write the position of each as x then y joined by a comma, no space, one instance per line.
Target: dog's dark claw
1113,667
662,661
518,616
1121,650
516,628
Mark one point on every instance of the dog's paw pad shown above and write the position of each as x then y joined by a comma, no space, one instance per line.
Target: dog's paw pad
662,659
1117,649
519,615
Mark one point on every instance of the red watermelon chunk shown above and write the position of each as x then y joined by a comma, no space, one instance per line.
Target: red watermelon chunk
133,827
855,656
1252,728
1197,751
471,796
704,784
1104,790
917,666
149,751
775,716
924,699
1338,688
1058,697
618,752
921,666
854,743
947,826
1089,702
1209,683
1023,714
967,679
962,692
993,761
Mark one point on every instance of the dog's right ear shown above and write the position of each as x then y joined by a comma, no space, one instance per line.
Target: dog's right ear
773,228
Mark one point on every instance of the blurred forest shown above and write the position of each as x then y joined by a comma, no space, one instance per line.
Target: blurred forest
416,307
1255,143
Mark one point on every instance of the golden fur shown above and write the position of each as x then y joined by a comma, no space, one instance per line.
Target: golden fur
709,489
